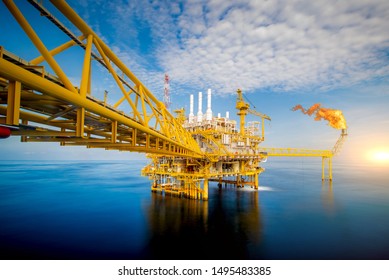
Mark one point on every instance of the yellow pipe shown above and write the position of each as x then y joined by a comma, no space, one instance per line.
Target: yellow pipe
330,168
38,43
13,72
26,116
142,98
114,127
56,51
115,76
242,122
86,68
80,122
120,101
84,85
263,129
66,10
296,152
13,103
48,133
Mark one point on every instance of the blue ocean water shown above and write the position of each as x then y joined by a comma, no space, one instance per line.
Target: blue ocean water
105,210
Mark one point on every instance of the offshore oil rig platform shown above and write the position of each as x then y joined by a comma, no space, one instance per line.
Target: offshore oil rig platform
231,155
187,152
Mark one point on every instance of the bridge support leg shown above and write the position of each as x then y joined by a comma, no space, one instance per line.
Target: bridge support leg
330,169
328,161
24,138
80,122
13,103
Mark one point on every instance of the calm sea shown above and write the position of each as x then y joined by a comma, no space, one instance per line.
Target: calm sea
105,210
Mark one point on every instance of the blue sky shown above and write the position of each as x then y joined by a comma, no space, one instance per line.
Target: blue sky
280,53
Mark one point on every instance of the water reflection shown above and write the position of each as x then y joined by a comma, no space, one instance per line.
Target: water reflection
227,226
328,197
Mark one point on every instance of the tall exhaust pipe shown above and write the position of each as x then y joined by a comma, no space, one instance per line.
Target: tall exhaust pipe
200,112
191,115
208,114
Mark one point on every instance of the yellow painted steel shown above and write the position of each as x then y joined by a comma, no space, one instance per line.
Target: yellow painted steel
263,118
328,175
38,43
295,152
326,155
56,51
242,108
13,72
85,29
13,103
164,129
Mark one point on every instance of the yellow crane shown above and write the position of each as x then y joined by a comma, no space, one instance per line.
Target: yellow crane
243,109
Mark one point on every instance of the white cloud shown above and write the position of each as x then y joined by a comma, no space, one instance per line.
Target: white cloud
285,45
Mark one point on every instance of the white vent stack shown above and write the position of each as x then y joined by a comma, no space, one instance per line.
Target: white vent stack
191,115
219,115
208,114
200,112
227,115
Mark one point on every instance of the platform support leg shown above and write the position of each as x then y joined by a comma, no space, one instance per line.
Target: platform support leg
256,181
205,193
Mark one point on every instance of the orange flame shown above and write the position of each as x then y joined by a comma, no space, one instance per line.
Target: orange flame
335,118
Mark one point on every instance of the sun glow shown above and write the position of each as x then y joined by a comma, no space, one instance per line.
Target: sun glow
380,156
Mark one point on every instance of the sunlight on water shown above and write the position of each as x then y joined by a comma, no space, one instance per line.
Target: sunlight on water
266,189
105,210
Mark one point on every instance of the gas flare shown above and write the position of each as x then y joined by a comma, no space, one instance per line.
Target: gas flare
334,117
